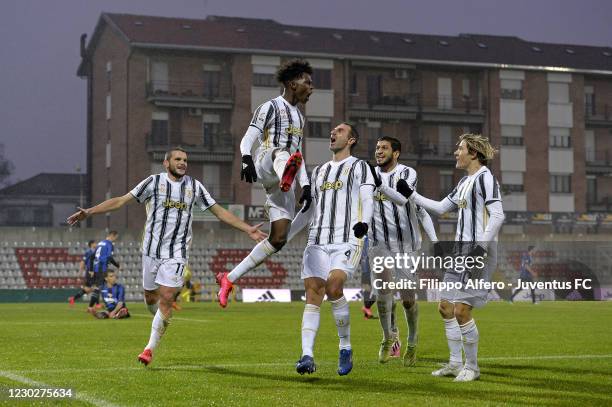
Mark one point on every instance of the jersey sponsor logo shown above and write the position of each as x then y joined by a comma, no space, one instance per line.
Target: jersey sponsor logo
331,185
173,204
380,197
296,131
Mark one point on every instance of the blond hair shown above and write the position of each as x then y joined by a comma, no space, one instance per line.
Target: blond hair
477,143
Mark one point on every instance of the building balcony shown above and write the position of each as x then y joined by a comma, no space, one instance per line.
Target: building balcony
602,205
211,148
598,114
598,161
412,106
435,153
198,94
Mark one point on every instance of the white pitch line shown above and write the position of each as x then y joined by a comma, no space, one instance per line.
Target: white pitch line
287,363
77,394
545,357
173,318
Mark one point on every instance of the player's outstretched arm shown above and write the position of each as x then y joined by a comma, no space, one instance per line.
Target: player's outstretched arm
428,225
229,218
107,206
437,207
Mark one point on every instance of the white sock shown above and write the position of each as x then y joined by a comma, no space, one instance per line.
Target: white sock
453,336
310,326
152,308
158,327
280,161
340,310
384,303
469,331
260,252
412,319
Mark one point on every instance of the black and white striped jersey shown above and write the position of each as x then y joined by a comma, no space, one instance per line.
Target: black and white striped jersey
279,124
396,226
335,189
170,204
471,196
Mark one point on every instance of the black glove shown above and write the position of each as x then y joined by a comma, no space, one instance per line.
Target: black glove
248,172
478,251
438,249
306,197
403,188
360,229
377,178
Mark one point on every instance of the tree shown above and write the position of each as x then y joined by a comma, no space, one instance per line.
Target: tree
6,167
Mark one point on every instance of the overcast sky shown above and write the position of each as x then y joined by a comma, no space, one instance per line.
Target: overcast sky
43,106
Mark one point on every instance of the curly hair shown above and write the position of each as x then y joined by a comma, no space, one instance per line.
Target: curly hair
477,143
293,69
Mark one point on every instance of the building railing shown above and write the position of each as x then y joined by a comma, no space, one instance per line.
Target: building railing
602,205
416,101
598,157
598,111
191,89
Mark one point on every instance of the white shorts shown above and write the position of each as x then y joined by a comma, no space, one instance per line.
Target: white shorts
319,260
279,204
166,272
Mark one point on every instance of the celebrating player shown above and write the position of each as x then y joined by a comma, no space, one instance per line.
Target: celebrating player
343,190
170,198
395,229
278,125
480,217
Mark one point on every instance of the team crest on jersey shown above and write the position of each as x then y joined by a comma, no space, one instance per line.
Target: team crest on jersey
188,193
332,185
380,196
346,171
162,188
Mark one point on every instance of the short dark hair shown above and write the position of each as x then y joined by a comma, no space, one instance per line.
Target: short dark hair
172,149
293,69
395,143
354,133
113,233
91,242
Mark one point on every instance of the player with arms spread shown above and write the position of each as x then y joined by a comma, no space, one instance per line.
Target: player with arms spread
278,126
170,199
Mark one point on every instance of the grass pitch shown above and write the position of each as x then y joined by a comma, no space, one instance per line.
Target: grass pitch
555,353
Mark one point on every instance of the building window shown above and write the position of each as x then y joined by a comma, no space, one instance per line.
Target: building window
589,101
512,181
558,92
109,75
108,106
559,137
591,190
353,85
511,135
445,93
446,183
317,129
374,88
321,78
211,83
265,80
511,89
561,184
159,132
210,132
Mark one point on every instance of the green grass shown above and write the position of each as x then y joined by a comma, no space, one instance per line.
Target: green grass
245,355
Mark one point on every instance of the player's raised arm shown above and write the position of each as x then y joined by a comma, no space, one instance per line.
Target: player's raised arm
107,206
